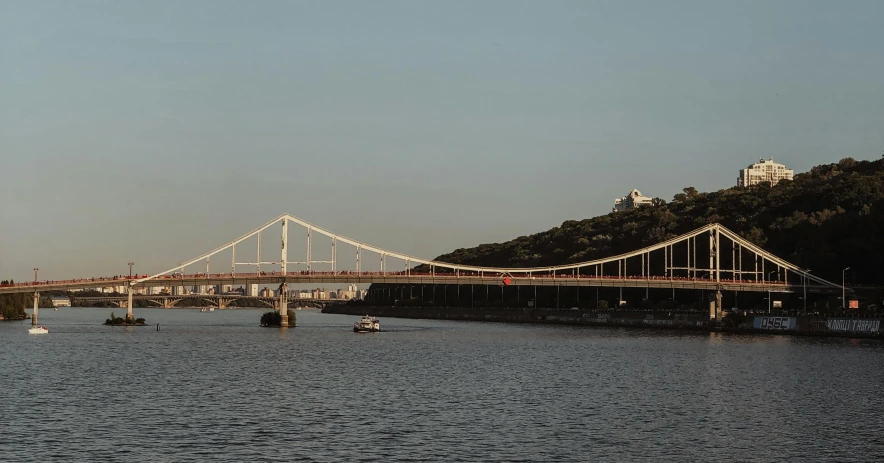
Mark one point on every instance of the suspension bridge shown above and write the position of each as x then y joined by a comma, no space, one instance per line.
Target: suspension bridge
709,258
221,301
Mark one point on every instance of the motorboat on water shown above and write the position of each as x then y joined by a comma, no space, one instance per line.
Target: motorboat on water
38,330
367,324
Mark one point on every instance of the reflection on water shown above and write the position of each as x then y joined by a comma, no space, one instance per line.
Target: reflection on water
215,386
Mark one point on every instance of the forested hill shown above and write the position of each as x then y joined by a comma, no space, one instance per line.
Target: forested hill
827,219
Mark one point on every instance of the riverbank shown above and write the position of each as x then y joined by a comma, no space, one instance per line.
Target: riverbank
758,324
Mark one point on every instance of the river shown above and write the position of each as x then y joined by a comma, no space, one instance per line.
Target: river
216,387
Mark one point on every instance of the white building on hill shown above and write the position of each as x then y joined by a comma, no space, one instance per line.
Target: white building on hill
631,201
765,170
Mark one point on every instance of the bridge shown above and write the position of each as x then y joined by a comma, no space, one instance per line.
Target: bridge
221,301
709,258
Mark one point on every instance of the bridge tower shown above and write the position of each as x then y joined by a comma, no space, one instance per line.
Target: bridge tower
283,288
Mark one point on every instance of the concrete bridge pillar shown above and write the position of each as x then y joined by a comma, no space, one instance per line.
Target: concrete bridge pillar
715,307
129,315
36,306
284,304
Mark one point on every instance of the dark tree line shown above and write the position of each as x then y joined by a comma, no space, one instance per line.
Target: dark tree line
12,306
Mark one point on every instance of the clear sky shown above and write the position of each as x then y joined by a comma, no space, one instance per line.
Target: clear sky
155,131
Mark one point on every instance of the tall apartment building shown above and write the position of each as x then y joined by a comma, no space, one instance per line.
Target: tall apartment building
765,170
252,290
631,201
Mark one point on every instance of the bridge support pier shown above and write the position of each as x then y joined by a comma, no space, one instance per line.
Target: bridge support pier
284,305
129,315
36,306
715,307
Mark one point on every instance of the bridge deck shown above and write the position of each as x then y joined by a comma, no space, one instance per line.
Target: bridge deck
344,278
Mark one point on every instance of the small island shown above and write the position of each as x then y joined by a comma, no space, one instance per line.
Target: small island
120,321
274,319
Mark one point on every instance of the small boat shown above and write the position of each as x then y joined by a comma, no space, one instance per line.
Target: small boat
211,309
34,329
38,330
203,309
367,325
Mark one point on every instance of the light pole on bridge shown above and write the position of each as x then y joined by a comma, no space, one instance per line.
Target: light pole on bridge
130,268
35,274
843,288
769,302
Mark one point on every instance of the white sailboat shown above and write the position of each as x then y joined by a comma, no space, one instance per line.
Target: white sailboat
34,329
38,330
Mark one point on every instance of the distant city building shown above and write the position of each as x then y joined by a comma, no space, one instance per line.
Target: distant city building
202,289
765,170
114,289
223,289
631,201
61,301
252,290
266,292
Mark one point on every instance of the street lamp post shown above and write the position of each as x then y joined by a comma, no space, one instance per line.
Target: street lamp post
35,274
843,289
769,302
130,268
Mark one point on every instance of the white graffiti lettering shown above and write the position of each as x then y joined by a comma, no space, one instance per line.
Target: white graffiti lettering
853,325
775,323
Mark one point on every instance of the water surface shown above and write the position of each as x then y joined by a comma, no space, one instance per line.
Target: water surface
216,387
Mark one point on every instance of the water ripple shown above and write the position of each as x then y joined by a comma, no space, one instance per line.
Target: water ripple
215,387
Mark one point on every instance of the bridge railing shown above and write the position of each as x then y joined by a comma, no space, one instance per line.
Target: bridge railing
171,279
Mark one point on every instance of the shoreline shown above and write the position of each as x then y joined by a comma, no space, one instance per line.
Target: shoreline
816,326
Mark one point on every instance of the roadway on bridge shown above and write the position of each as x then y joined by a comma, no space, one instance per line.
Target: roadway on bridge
275,279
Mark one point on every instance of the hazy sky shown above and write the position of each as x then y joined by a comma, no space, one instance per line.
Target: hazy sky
155,131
